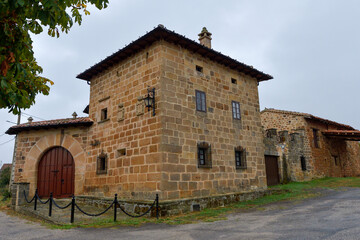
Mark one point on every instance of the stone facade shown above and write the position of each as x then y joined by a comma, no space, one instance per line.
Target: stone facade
290,136
144,154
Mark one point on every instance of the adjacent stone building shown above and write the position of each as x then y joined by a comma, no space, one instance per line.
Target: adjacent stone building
167,115
304,147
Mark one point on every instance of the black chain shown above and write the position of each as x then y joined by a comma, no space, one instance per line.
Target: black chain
136,216
26,199
40,199
60,206
94,215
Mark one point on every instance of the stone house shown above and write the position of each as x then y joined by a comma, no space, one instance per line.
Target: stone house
201,135
301,146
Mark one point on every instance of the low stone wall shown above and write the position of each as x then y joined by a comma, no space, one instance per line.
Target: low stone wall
17,193
175,207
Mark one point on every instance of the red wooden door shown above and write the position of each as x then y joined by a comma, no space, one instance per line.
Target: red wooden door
56,173
272,170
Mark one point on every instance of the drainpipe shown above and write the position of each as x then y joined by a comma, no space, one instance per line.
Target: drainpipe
14,156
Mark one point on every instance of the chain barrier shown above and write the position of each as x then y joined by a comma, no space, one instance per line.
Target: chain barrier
74,205
68,205
26,199
94,215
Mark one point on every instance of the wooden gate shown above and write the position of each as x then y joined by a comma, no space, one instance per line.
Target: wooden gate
272,170
56,173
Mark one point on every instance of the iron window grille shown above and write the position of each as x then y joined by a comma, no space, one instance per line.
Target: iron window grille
200,101
204,155
240,158
236,110
303,163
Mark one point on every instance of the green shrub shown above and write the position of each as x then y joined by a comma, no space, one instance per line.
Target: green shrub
5,177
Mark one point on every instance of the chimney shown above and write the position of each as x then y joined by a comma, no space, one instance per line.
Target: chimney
30,119
74,115
205,38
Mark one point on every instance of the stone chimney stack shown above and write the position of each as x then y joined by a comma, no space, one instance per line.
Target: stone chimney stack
205,37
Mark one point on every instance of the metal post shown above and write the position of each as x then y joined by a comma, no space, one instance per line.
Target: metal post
72,209
35,200
50,204
157,206
115,206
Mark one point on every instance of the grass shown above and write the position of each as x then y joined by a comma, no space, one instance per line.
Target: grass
291,192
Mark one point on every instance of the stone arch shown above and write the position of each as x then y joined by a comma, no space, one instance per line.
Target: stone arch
42,146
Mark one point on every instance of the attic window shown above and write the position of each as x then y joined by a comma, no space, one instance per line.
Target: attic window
199,68
233,81
104,114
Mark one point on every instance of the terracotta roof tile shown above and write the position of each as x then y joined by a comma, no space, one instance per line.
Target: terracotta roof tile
308,116
160,33
66,122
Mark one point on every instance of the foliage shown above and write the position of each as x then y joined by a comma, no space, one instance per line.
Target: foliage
19,72
5,177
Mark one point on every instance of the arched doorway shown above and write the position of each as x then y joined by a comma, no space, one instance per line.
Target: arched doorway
56,173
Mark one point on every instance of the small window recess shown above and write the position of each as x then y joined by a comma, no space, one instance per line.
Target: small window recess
101,164
104,114
336,160
303,163
233,81
121,152
199,69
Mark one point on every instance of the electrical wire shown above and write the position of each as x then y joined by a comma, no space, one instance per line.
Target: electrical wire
6,142
29,115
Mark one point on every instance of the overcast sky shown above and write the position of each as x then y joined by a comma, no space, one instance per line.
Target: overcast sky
311,48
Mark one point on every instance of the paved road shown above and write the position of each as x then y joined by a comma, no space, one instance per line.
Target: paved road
335,216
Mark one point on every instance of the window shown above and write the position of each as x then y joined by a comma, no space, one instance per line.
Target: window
336,160
101,163
200,101
104,114
204,155
236,110
199,68
121,152
233,81
303,163
316,138
240,158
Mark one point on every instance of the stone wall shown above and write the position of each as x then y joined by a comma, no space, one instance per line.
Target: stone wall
33,144
184,127
130,135
320,160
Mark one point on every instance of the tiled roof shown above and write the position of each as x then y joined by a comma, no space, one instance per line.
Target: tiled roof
159,33
67,122
353,135
308,116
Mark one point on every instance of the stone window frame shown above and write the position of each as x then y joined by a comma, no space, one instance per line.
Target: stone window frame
200,98
104,115
102,163
204,149
336,160
236,111
234,81
240,157
303,163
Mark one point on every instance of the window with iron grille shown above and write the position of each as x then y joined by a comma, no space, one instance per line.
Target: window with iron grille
316,138
240,158
204,155
303,163
236,110
200,101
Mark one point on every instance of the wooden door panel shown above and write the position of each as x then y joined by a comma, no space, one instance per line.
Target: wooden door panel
56,173
272,170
